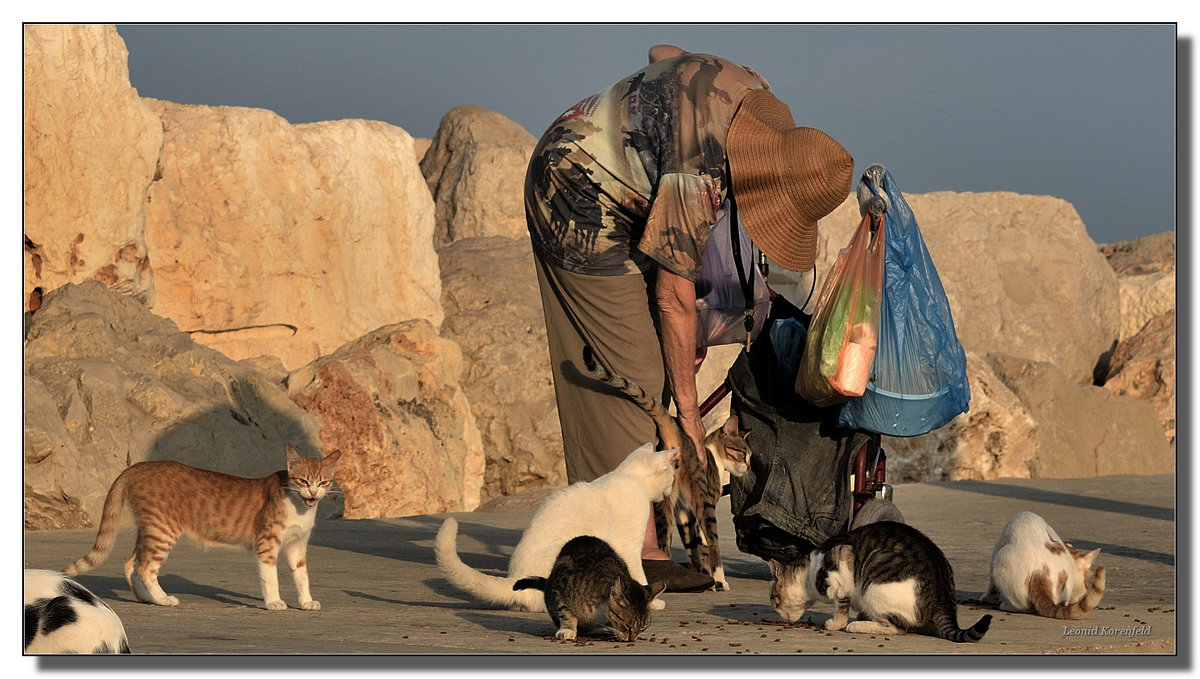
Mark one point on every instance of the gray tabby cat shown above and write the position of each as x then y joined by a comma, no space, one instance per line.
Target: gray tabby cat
891,573
586,574
693,500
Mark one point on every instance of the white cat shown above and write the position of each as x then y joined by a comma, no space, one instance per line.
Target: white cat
614,507
63,616
1034,571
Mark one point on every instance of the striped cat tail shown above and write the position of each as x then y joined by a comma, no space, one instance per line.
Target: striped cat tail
948,629
106,535
667,429
976,631
490,588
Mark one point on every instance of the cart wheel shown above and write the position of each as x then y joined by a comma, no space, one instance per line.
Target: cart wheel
876,510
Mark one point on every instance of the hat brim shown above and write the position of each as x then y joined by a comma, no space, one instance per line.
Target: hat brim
784,178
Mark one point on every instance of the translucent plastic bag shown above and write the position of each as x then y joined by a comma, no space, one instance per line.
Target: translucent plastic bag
919,382
840,348
720,300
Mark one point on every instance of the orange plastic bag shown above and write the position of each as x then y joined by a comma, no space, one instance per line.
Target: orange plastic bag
840,350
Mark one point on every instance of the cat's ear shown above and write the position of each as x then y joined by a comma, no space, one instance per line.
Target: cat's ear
331,460
1090,558
654,589
731,426
293,456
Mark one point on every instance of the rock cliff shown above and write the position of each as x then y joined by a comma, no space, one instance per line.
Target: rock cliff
91,148
475,167
288,240
108,384
494,312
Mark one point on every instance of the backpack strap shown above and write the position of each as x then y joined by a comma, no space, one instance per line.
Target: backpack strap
746,282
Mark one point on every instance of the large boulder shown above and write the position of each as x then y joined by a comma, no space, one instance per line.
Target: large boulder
285,240
997,438
1022,275
1145,268
1143,367
109,384
1149,254
391,402
494,312
475,168
1029,420
1084,430
90,153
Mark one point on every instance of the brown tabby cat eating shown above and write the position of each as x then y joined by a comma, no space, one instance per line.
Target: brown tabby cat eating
271,514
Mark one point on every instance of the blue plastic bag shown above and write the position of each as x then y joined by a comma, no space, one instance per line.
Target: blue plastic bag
919,380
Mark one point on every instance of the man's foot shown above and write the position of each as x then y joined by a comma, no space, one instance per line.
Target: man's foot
677,577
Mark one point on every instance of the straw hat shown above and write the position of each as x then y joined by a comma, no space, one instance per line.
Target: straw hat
784,178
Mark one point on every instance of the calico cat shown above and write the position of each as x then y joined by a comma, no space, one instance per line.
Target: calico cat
271,514
692,507
614,507
890,572
1034,571
586,574
63,616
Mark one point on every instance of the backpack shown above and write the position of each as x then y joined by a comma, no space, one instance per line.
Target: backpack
727,277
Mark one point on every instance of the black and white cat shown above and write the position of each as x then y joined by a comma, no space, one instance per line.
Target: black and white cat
63,616
614,507
891,573
589,576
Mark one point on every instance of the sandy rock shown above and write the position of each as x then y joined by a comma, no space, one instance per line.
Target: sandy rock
1149,254
1083,430
1144,367
91,147
1144,297
1021,274
494,312
476,172
391,402
420,146
285,240
996,438
1146,270
1029,420
109,384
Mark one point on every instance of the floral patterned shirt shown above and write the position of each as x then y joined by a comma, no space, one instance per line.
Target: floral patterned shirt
633,176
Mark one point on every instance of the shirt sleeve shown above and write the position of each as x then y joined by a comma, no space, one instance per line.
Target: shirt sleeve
684,210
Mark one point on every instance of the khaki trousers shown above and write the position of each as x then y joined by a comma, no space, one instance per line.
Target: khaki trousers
615,316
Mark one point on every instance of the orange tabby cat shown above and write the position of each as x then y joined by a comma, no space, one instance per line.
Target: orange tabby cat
271,514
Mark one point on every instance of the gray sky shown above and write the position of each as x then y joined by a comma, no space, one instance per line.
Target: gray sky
1086,113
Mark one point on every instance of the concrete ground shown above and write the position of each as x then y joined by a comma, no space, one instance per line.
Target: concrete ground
382,593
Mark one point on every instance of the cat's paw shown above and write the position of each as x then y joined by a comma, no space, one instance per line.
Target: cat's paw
657,604
564,634
167,601
311,605
276,605
721,586
872,627
832,625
